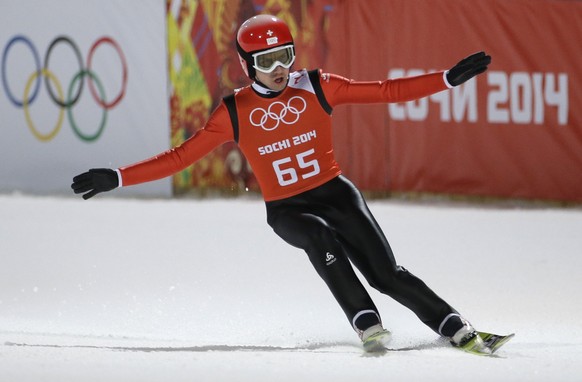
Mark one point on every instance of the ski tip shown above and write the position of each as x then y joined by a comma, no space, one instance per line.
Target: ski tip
493,342
502,341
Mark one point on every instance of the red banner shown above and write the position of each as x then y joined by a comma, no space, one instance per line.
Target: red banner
513,132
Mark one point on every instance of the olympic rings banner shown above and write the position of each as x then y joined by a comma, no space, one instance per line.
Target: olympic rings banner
87,89
71,97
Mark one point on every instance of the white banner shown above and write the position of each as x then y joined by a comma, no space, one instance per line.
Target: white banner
83,84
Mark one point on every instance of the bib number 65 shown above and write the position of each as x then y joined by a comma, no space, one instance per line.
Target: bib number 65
287,174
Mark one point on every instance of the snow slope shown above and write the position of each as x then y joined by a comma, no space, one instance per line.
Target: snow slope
202,290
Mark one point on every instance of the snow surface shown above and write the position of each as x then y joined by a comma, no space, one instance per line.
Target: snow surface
202,290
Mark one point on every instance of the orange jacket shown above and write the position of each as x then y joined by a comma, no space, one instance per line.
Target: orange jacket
286,138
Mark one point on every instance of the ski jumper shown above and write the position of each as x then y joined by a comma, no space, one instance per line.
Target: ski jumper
287,139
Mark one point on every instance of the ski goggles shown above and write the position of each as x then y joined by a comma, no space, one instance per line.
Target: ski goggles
267,60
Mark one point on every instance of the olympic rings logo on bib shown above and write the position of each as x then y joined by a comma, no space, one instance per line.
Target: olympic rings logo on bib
278,112
60,99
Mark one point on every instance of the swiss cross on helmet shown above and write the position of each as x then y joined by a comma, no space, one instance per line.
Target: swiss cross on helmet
264,42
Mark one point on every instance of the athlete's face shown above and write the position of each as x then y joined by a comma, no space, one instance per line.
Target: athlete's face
276,80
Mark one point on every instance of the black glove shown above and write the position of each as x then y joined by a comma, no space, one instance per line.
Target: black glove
95,181
468,68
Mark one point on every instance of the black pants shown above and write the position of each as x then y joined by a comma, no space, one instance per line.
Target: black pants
333,224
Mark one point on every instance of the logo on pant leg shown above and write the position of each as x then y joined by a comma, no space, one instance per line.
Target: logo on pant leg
329,259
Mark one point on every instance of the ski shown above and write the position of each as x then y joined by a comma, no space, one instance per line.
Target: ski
377,342
480,343
494,341
483,343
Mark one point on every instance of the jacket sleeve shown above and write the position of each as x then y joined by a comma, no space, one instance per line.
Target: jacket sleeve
217,131
339,90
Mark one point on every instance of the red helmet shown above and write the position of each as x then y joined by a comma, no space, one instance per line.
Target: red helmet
264,34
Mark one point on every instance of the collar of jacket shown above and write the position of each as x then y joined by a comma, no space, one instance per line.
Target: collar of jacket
264,91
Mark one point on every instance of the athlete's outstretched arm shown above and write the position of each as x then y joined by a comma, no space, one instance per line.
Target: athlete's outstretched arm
217,130
339,90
